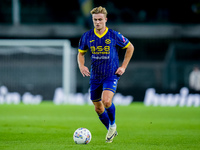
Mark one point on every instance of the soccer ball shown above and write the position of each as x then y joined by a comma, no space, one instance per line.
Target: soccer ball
82,136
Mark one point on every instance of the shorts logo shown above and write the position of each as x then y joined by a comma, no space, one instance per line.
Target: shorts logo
107,41
115,82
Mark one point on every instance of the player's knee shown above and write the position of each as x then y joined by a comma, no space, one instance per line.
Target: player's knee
99,109
107,102
107,98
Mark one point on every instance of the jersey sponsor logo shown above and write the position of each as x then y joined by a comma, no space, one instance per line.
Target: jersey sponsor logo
100,57
100,49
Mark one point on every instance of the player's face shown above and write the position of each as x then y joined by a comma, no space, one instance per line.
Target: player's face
99,21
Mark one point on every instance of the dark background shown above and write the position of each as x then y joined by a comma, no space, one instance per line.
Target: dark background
165,34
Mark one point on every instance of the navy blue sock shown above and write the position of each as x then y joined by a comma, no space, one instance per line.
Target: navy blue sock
111,113
104,119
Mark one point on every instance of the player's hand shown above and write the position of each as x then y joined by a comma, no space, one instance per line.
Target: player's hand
85,71
120,71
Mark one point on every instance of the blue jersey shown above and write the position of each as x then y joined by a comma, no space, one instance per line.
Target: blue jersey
104,52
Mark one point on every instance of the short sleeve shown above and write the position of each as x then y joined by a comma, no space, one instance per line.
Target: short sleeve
83,48
122,41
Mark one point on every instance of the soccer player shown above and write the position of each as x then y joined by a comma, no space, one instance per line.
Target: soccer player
103,45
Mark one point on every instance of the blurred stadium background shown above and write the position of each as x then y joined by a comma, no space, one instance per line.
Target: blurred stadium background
166,36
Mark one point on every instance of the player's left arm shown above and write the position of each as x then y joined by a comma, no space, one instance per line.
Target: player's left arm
128,55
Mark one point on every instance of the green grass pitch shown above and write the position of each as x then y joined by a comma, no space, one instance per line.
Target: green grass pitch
51,127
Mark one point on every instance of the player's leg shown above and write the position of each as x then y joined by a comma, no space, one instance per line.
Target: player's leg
109,88
110,108
107,97
103,116
95,94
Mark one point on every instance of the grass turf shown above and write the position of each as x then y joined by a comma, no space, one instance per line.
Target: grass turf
51,127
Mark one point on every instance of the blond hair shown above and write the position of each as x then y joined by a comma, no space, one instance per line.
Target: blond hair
99,10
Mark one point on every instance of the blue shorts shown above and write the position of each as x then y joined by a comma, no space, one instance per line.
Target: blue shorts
96,88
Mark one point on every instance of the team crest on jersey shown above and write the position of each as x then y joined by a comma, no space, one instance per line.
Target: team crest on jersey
107,41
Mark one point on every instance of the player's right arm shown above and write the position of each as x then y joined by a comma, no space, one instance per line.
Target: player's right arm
81,63
82,49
